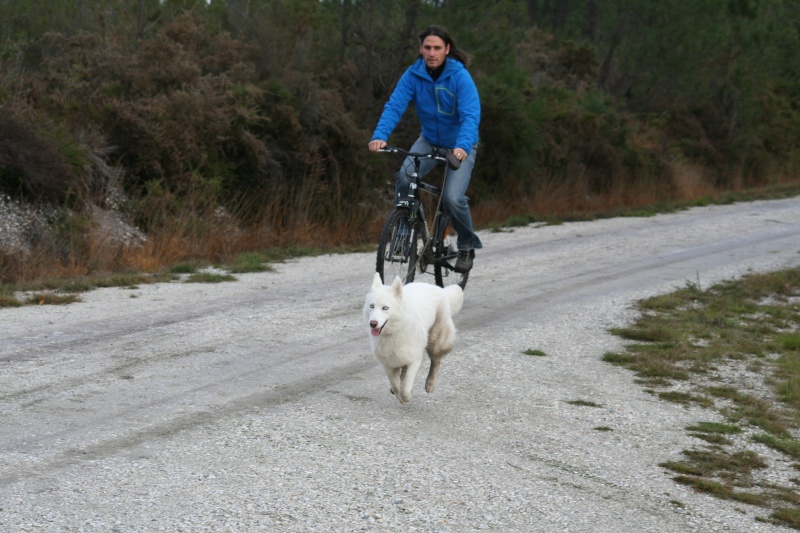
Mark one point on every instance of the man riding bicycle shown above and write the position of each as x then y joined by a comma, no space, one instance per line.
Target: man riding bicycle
448,106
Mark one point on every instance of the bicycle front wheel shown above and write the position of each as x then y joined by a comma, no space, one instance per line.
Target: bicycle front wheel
445,254
399,246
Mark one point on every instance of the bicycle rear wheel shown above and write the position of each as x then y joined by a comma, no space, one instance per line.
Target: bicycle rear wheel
445,254
399,246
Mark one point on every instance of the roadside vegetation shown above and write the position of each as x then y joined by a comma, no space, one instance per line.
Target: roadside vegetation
60,291
733,350
216,129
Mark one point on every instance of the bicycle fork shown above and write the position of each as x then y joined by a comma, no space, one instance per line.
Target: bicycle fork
404,238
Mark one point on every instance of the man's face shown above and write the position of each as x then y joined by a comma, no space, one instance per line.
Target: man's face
434,51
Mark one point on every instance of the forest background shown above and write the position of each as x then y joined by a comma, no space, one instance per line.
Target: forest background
228,126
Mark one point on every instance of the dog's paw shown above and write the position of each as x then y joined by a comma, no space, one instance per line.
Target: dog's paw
430,384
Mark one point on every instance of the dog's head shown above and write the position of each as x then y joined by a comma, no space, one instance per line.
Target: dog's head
381,303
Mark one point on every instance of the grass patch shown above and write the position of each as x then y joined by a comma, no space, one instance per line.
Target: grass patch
787,516
787,445
791,341
83,284
185,268
8,299
715,427
645,332
691,337
537,353
251,262
685,398
720,490
51,298
789,364
584,403
243,263
713,438
623,359
518,221
209,277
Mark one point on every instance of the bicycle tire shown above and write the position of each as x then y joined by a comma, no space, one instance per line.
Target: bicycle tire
446,254
397,256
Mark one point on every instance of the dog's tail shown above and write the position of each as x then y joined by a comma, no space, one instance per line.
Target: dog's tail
456,297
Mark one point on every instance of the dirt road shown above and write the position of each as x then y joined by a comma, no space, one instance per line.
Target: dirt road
256,405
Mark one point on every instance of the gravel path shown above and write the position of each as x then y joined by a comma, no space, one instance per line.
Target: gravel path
256,405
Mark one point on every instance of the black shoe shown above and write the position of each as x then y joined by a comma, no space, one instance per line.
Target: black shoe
464,262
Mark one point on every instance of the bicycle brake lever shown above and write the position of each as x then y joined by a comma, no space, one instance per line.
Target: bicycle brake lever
452,161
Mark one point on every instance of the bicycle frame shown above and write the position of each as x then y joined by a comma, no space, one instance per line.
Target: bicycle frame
434,250
412,200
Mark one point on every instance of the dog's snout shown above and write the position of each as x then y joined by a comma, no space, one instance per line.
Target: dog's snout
373,323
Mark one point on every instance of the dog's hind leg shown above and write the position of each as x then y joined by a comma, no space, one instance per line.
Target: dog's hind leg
430,383
442,335
441,339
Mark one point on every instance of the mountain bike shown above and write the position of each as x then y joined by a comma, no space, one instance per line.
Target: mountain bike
408,243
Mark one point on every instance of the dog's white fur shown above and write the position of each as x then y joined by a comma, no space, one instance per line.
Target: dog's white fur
405,321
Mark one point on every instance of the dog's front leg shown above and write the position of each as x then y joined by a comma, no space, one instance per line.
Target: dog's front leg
408,381
395,379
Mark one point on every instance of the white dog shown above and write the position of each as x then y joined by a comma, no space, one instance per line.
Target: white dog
406,320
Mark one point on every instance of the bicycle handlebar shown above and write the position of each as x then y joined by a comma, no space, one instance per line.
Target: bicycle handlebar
439,154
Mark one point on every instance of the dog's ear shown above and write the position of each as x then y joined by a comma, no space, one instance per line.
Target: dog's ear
376,281
397,287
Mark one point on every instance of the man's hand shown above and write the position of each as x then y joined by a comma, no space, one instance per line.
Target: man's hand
460,154
376,145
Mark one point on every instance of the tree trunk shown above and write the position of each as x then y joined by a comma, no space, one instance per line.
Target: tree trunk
560,14
592,21
140,21
405,36
344,29
366,80
533,12
605,68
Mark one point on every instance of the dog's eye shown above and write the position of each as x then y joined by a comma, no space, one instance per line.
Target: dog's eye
372,306
385,307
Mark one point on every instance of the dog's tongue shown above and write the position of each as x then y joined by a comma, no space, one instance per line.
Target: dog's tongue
375,332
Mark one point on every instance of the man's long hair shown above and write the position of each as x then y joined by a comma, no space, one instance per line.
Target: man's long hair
440,32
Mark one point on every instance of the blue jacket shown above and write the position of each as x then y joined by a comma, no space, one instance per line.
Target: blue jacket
449,109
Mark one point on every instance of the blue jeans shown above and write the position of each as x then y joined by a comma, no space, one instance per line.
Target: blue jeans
454,195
